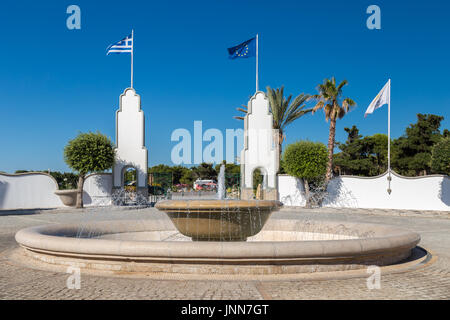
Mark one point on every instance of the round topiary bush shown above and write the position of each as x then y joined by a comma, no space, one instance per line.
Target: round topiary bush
308,161
88,152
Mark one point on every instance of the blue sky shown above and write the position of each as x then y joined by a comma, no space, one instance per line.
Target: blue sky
57,82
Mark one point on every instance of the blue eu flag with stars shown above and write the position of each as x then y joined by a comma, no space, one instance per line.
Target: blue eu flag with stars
246,49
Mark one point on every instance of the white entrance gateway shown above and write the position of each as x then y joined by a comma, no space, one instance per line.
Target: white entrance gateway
261,149
130,142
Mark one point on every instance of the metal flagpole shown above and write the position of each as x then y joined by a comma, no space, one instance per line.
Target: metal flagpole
389,140
256,62
132,49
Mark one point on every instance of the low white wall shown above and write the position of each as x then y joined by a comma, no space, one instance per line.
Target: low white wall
291,191
28,191
37,190
97,189
418,193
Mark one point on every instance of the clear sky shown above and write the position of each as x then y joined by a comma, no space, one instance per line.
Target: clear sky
57,82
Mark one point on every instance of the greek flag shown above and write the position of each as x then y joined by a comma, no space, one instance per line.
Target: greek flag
123,46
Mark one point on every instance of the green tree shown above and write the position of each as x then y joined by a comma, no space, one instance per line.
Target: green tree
363,156
440,157
178,172
187,178
160,168
446,133
412,155
284,110
161,175
88,152
308,161
66,180
335,107
204,171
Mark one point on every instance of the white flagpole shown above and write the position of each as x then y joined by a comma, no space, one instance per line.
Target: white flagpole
256,62
389,140
132,50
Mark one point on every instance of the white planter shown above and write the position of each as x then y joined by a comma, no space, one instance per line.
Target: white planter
68,197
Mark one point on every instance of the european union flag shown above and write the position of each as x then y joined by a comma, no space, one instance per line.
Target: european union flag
246,49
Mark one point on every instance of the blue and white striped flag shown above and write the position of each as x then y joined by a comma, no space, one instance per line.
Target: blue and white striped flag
123,46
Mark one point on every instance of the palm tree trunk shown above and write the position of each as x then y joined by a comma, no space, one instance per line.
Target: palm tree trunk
280,142
331,138
79,203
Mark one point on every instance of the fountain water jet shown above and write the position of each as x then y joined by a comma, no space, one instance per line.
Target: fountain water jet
221,190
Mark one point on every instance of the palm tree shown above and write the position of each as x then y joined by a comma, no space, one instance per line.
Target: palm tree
330,100
283,110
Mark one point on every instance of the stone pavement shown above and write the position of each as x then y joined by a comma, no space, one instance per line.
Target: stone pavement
431,281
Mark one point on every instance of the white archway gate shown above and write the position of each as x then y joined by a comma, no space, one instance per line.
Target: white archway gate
261,149
130,142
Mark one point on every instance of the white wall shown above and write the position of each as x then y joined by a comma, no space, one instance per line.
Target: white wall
37,190
418,193
28,191
97,189
291,191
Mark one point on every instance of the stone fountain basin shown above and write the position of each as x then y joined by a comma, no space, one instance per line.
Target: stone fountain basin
154,246
219,220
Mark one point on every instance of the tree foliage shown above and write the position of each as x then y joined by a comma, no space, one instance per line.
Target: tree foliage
308,161
305,159
412,152
440,157
362,156
185,175
88,152
204,171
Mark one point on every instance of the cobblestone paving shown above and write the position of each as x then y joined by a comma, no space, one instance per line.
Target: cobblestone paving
429,282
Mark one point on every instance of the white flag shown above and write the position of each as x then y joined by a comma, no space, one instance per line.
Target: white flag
381,99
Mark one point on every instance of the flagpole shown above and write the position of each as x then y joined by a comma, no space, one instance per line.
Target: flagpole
132,50
256,62
389,140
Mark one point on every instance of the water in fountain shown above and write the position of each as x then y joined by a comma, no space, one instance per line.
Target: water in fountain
221,191
123,197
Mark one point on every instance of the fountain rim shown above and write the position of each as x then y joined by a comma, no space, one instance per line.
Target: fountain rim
192,204
53,239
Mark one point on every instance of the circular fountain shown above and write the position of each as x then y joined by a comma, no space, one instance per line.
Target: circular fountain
231,238
154,246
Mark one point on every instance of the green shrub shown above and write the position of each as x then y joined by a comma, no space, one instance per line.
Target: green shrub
308,161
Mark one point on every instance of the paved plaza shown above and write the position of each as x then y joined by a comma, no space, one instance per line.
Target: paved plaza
430,280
